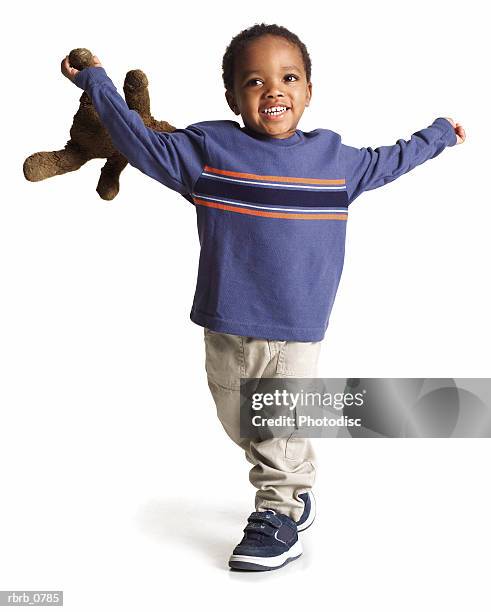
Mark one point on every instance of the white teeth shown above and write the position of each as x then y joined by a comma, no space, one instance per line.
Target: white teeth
275,110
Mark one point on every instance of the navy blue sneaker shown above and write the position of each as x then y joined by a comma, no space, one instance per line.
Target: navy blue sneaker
308,516
270,541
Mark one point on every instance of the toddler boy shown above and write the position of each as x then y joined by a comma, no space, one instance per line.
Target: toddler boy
272,206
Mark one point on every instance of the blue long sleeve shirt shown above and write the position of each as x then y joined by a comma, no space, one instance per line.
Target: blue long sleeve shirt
271,213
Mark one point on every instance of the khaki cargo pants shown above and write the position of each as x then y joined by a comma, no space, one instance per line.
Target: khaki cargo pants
283,467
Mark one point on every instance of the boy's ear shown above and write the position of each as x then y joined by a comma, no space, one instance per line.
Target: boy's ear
231,102
309,93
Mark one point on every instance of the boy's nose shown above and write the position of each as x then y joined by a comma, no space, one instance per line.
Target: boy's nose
274,92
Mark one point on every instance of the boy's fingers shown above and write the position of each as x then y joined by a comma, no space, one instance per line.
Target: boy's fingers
64,66
67,70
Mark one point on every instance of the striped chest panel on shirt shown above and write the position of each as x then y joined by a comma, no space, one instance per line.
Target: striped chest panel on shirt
281,197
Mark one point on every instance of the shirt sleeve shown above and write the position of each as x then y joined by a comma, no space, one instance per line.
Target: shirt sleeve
175,159
369,168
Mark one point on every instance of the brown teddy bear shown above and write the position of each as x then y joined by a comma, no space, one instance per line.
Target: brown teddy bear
88,137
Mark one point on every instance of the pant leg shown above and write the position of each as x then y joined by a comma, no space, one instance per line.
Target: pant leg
283,468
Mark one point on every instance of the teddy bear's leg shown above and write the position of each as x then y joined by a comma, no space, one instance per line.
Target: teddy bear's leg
108,185
46,164
136,92
138,99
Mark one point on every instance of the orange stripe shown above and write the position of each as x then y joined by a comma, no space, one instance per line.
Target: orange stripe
283,179
257,213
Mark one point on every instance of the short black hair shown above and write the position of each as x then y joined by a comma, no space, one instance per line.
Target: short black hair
239,42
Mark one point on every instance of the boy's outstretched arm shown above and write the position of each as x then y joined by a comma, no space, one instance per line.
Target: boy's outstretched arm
369,168
175,159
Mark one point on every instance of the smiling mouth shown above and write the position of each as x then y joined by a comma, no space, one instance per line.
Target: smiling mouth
274,112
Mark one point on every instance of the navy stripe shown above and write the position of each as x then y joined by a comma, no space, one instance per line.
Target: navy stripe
255,194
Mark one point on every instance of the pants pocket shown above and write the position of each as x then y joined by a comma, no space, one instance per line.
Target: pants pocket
298,359
224,362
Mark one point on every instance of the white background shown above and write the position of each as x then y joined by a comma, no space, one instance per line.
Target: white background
118,483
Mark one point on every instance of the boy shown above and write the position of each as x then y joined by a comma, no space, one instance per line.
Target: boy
272,205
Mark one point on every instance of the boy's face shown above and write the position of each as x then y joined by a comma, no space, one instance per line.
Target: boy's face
269,73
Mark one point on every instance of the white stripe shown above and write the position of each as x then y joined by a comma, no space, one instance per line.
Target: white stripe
295,551
223,178
308,210
311,517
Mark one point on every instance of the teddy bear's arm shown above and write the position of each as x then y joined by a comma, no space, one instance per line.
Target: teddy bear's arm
108,185
45,164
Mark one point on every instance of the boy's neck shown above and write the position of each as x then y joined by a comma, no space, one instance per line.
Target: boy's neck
274,137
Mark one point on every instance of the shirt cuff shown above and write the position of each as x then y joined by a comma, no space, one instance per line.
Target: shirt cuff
88,77
448,130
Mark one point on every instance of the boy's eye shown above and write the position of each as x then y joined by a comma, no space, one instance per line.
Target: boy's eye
290,78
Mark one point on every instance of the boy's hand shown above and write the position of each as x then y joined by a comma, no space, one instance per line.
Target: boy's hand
70,72
459,130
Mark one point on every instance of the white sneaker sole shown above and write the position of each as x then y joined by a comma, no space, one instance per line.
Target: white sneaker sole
246,562
311,516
